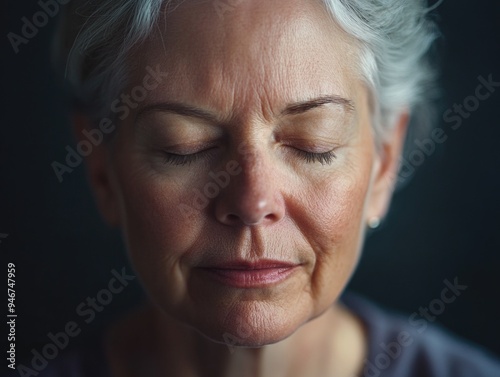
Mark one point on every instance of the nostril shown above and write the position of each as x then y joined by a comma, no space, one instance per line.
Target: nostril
248,205
271,216
232,218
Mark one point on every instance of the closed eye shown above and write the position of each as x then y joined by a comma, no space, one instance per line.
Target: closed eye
310,157
184,159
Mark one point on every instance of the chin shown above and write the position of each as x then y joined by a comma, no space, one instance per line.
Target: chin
250,324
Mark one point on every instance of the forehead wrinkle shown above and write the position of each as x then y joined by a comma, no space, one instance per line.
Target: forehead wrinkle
258,76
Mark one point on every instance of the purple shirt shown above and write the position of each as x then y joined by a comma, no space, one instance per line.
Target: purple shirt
398,347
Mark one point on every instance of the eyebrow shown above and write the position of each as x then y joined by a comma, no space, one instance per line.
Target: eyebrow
301,107
180,109
292,109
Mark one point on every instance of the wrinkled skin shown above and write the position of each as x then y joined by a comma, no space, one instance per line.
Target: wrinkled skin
244,68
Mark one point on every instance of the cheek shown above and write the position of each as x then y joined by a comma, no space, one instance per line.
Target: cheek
332,211
158,235
152,200
330,218
152,215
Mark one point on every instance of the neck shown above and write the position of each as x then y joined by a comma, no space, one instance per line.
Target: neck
332,344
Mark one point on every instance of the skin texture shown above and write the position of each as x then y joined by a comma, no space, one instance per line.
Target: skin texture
245,68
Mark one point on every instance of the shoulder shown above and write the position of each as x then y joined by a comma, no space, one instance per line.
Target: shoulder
93,357
87,360
412,346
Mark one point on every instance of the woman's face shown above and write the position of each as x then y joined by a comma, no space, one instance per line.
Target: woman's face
257,229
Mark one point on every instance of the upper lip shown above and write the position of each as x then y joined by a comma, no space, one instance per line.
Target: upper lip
252,265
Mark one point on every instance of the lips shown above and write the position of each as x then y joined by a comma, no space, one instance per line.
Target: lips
245,274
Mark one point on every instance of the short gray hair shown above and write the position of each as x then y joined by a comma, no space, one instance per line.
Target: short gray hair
395,37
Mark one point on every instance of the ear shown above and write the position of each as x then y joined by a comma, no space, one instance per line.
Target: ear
385,170
99,172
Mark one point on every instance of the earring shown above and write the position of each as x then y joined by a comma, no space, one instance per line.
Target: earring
373,222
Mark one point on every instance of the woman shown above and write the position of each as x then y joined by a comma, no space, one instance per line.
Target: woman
246,148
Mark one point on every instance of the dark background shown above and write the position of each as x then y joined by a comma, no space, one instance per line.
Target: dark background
444,224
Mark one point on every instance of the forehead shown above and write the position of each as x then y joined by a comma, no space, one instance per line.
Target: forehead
258,54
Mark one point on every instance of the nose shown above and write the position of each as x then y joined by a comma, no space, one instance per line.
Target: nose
252,197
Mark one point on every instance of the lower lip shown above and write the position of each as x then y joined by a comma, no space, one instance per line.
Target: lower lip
251,278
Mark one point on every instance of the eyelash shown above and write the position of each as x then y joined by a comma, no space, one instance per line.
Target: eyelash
309,157
182,159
